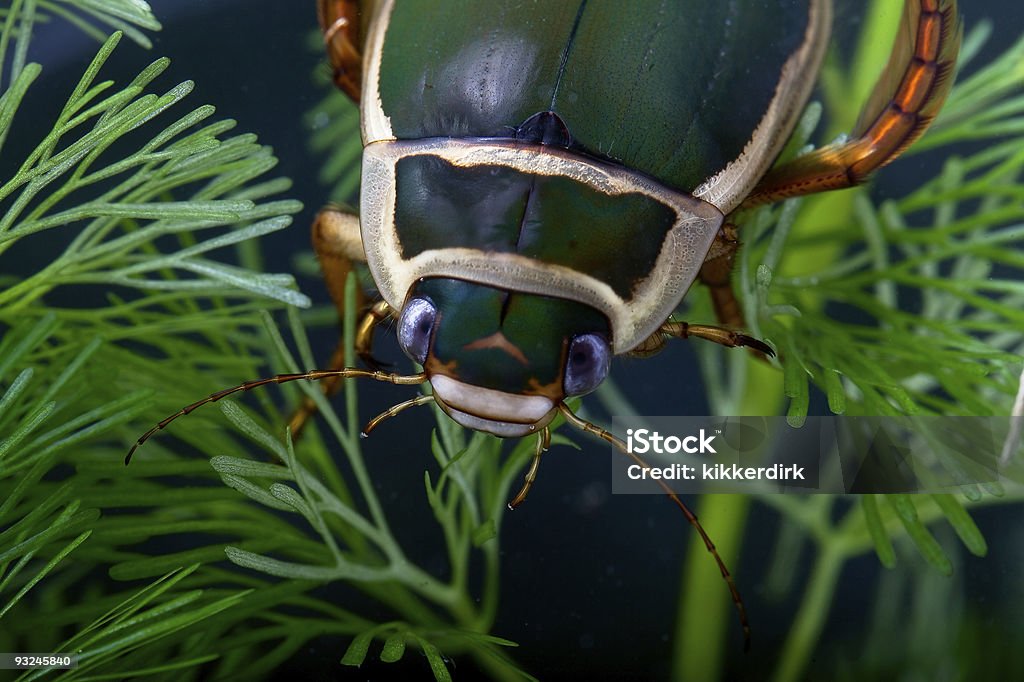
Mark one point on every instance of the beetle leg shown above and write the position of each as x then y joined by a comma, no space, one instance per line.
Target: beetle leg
543,443
716,274
393,411
903,104
363,341
379,312
337,245
340,23
720,335
684,330
652,345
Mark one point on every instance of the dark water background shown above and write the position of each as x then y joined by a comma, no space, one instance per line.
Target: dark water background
590,579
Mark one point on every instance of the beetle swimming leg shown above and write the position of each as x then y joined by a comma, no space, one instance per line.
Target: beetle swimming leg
340,23
543,443
906,98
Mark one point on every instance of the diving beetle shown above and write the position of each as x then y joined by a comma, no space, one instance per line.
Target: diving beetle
542,182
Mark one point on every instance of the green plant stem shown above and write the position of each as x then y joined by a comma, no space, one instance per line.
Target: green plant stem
705,609
810,619
700,656
488,610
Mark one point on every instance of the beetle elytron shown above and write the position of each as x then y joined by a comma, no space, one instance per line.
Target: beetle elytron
543,181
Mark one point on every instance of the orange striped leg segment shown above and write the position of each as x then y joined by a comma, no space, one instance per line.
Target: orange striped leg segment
905,100
340,23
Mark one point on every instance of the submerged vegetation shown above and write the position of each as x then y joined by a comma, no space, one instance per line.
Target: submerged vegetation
911,306
220,537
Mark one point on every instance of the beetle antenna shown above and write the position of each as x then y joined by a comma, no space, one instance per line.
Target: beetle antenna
584,425
392,411
312,375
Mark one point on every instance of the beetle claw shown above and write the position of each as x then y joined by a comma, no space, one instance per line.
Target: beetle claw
756,345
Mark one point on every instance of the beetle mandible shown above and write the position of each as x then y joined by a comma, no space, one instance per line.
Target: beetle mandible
543,182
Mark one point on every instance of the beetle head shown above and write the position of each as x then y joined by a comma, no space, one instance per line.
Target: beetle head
501,361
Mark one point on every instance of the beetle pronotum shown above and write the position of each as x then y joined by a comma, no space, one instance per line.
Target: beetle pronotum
542,184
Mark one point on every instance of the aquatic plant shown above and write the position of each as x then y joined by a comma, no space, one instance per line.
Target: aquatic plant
928,292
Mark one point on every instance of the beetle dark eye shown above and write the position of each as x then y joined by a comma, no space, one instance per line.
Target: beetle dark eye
415,327
587,366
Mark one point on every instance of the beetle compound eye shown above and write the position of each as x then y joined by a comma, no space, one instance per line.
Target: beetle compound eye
415,327
587,365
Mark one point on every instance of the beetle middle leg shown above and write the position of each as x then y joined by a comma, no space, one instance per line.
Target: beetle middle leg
338,246
716,274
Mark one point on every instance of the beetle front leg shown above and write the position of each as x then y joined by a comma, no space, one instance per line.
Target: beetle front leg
684,330
379,312
903,104
543,443
363,346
